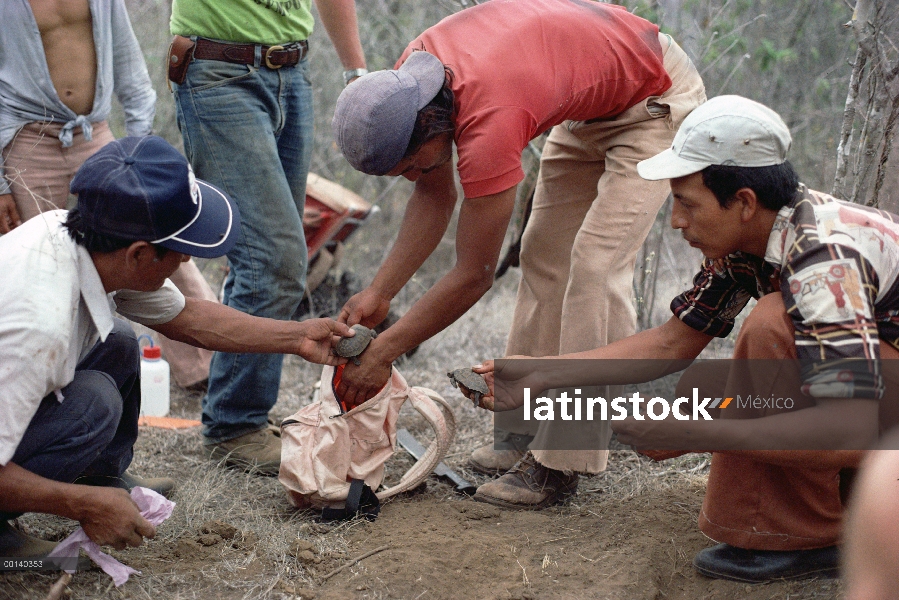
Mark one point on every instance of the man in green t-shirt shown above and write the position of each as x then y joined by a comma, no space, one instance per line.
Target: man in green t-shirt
245,113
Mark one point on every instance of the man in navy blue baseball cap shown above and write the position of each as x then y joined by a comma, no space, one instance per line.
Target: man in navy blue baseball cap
141,188
70,376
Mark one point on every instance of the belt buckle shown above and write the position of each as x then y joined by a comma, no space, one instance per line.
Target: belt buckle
268,62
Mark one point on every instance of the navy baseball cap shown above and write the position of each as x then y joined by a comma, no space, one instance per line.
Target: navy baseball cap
142,188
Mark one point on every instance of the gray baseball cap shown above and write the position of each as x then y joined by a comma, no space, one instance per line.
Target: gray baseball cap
375,114
726,130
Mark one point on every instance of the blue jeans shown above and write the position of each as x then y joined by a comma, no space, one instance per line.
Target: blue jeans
248,130
92,432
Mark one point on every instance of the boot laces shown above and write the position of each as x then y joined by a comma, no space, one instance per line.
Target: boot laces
535,476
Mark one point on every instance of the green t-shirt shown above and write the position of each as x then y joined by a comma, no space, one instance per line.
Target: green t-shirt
256,21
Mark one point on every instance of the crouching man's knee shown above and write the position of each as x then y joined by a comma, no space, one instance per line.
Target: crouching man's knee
63,438
767,332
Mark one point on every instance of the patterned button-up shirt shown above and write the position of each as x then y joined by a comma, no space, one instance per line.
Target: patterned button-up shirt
836,264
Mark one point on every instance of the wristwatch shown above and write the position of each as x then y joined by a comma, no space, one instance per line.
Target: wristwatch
353,73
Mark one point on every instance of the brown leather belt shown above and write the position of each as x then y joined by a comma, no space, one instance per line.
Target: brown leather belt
273,57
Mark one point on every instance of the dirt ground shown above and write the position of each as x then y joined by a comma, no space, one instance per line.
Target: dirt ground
630,532
634,544
599,547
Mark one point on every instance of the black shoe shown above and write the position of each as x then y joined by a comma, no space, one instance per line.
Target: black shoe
163,486
758,566
258,451
17,544
21,551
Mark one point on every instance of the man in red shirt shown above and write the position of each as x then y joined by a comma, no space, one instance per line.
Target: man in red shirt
490,79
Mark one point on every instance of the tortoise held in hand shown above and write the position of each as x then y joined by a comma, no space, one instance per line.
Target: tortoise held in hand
352,347
471,381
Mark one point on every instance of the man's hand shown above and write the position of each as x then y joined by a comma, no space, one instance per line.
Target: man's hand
359,383
214,326
367,307
486,370
108,515
318,339
9,215
111,518
507,383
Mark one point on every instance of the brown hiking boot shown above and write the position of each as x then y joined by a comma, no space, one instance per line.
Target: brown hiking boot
489,461
259,451
529,485
497,458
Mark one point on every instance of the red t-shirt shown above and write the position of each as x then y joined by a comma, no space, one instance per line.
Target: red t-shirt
522,66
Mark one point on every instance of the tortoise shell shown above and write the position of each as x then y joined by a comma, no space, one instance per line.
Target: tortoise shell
350,347
469,379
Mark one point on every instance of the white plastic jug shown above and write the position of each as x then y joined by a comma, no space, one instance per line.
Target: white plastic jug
154,382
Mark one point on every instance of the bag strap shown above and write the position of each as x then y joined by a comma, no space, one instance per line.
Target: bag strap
439,415
360,501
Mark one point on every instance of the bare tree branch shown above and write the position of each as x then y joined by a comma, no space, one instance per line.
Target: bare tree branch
845,145
877,66
888,136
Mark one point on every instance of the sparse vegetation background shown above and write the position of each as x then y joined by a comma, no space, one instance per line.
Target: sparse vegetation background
796,56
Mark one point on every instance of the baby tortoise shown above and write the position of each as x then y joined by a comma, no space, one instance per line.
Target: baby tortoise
352,347
471,381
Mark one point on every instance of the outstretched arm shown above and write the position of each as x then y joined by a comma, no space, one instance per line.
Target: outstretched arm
479,236
215,326
666,346
428,213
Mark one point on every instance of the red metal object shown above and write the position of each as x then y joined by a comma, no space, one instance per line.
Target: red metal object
332,213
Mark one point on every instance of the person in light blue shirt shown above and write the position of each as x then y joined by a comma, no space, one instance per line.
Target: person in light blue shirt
59,67
60,64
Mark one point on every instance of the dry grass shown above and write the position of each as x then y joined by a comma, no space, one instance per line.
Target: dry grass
262,563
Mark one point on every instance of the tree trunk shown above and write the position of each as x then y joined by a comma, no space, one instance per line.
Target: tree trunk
870,119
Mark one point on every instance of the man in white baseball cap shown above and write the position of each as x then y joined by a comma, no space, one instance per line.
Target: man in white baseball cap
823,272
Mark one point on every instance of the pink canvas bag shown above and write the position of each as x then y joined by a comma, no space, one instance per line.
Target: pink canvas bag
324,450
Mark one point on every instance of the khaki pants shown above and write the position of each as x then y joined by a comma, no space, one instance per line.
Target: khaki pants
39,170
590,215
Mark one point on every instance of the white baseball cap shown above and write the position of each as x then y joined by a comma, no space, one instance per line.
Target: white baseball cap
726,130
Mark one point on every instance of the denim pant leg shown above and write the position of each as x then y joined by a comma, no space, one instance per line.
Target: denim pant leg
118,357
93,430
249,131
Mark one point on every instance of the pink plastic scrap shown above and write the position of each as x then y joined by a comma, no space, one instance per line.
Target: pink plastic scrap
154,508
